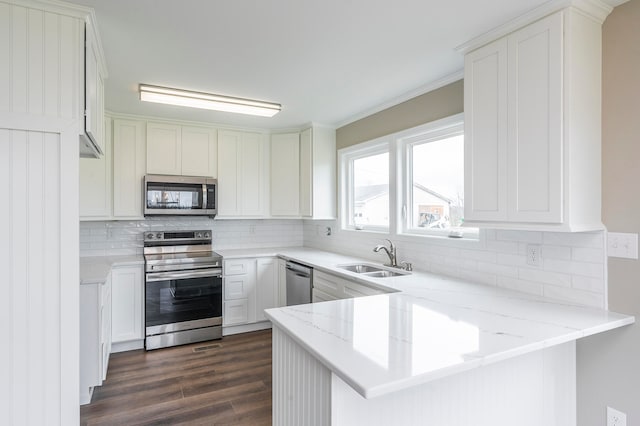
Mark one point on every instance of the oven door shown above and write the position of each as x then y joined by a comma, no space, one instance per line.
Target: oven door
182,300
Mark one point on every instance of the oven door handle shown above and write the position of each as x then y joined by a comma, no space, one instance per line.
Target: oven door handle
200,273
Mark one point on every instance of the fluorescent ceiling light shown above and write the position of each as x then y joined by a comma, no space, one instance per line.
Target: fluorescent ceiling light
166,95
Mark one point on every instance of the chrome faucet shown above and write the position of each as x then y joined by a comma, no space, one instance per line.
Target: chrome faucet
391,252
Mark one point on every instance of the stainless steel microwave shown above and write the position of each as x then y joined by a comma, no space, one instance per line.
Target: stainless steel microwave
180,196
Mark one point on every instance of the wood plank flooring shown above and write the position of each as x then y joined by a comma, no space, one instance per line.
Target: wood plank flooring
221,382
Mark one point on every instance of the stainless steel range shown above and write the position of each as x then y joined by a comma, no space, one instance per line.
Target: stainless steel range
183,289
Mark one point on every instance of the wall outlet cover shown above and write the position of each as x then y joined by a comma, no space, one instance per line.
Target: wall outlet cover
615,417
533,254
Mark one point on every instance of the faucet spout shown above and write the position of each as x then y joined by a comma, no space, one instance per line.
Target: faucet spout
391,253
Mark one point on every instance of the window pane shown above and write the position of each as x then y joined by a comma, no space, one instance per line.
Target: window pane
371,191
438,183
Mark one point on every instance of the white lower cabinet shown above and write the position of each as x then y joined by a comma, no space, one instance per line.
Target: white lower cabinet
282,282
331,287
251,285
127,307
239,291
95,336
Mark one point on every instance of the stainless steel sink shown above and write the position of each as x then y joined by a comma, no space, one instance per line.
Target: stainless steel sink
361,269
372,270
384,274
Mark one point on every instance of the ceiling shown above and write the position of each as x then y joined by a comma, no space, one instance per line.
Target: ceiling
327,62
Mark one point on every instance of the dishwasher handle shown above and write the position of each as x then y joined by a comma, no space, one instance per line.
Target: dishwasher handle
299,270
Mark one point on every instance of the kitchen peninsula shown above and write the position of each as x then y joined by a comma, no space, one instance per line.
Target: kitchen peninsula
437,351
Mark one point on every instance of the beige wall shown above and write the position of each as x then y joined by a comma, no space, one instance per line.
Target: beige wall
440,103
609,364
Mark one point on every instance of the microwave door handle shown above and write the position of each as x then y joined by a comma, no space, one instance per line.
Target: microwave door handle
204,196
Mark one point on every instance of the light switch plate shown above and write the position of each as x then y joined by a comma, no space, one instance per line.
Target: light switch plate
622,245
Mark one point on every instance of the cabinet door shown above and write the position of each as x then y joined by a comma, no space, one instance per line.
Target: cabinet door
235,312
238,287
285,174
228,173
164,149
329,284
91,91
485,139
128,168
306,165
321,296
352,289
535,127
199,152
127,319
95,183
266,286
252,176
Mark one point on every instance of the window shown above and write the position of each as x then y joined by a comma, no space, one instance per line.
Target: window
411,182
366,187
433,164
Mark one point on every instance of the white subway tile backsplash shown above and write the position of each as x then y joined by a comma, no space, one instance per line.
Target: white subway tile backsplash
572,269
545,277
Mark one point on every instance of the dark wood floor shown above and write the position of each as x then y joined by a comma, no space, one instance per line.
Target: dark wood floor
221,382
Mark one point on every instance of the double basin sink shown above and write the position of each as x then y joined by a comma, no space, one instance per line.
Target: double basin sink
372,271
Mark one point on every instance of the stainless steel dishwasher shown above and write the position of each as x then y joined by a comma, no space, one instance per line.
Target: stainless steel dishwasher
298,284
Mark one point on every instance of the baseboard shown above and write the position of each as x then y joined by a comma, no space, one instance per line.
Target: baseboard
245,328
127,346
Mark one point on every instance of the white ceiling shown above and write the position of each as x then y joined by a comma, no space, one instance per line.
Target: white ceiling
325,61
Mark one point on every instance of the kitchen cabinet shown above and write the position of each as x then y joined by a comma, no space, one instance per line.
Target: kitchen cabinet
331,287
318,173
242,179
239,291
129,165
127,307
92,142
181,150
285,174
95,336
95,182
532,126
267,294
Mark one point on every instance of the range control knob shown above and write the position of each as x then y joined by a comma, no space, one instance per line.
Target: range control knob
206,235
198,234
150,236
159,235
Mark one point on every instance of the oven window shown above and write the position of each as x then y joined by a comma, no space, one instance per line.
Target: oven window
174,196
174,301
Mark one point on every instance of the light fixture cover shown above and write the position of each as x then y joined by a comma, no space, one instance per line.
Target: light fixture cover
166,95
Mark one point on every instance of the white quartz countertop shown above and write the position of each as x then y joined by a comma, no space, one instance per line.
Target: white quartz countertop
430,327
95,269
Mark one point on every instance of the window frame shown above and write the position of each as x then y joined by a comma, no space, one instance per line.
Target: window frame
346,158
400,174
431,132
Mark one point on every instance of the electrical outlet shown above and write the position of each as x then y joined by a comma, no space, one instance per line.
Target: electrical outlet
533,254
622,245
615,417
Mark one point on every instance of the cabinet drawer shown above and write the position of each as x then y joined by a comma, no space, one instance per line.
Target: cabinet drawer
238,266
352,289
235,312
237,287
329,284
321,296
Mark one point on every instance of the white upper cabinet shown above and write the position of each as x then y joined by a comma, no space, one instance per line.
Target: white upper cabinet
242,179
285,174
181,150
164,149
532,126
95,182
128,168
92,143
199,151
318,173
